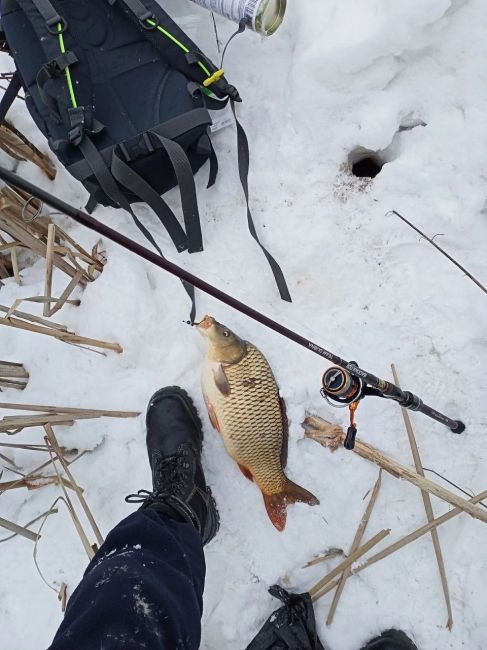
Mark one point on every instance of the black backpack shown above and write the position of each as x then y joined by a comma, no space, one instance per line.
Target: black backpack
122,95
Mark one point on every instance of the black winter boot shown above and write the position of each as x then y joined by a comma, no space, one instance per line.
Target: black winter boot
174,442
391,640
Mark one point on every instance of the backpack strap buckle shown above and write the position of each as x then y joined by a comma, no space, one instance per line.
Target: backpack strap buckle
77,121
55,67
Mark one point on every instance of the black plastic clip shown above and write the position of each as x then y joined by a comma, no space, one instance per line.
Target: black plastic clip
77,120
55,67
350,438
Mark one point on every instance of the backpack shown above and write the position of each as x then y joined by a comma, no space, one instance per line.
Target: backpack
123,97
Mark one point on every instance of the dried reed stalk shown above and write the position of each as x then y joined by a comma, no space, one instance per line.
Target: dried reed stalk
320,430
51,235
315,592
408,539
52,511
51,438
13,375
14,425
18,530
428,507
20,220
59,410
33,483
13,311
77,524
329,555
19,147
63,596
65,337
355,545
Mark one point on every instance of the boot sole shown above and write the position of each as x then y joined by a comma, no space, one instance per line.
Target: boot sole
176,391
214,515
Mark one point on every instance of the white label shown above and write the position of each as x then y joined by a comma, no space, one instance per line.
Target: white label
221,119
233,9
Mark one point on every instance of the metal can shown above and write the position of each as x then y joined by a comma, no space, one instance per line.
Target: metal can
263,16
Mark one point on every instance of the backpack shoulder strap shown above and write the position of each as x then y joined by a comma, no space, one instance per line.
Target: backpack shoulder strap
176,46
9,96
70,102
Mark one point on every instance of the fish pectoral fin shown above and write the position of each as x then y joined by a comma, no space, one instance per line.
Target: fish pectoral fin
212,415
247,473
221,380
276,503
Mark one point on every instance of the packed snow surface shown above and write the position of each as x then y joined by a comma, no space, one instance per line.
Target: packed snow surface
409,80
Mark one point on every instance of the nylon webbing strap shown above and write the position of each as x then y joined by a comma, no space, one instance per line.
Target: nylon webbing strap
189,201
109,186
213,166
102,173
136,7
243,168
129,179
10,95
47,11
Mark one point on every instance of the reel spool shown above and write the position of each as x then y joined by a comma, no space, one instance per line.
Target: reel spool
340,388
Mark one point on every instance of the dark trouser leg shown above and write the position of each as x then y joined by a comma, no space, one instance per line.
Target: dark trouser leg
143,589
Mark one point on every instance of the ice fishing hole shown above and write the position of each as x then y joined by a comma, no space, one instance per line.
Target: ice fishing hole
365,164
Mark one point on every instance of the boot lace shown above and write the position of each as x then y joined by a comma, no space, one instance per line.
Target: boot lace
171,476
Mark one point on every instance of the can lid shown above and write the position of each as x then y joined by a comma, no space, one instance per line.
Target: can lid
273,15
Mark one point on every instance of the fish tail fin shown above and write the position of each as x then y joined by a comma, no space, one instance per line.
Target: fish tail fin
276,503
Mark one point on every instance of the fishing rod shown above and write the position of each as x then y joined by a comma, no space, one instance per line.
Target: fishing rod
346,384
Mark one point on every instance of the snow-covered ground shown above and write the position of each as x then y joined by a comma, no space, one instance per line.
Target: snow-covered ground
339,74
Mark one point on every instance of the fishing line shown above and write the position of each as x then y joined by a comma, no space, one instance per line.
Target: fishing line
356,381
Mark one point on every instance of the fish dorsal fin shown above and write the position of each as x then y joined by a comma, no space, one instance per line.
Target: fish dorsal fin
221,380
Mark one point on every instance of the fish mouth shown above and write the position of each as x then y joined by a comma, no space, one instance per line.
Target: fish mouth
206,323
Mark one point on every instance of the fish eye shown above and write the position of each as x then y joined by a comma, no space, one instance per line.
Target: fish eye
226,333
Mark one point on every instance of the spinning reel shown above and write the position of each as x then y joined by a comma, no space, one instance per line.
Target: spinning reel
341,389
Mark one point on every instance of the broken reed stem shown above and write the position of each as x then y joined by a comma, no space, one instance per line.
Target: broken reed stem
315,592
33,483
60,335
329,555
13,311
332,437
355,545
18,530
427,506
63,596
51,237
77,524
34,521
51,437
9,369
59,410
34,474
19,147
443,252
63,299
15,265
408,539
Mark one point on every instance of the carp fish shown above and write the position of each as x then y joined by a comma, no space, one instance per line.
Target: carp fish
244,406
